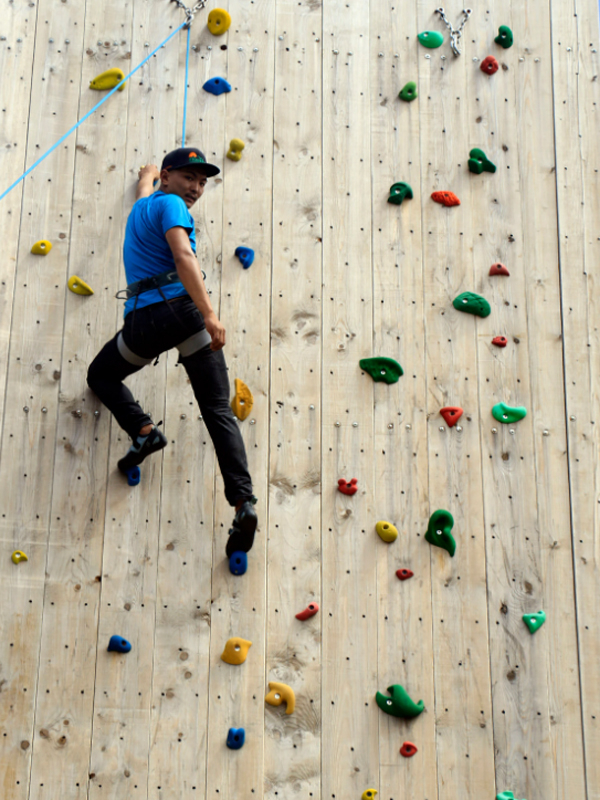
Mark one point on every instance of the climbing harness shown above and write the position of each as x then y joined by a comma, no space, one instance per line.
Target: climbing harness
455,33
153,282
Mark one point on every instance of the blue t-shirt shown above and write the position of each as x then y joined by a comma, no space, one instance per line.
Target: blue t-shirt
146,251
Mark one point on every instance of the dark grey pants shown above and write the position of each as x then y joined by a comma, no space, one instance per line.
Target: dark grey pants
152,330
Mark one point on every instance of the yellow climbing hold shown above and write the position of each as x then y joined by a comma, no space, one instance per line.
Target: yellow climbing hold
108,79
368,794
218,21
78,286
235,149
242,403
41,248
387,531
236,650
18,556
281,692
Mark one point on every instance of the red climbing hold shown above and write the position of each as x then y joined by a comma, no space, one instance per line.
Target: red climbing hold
408,749
310,610
498,269
404,574
451,414
500,341
489,65
446,198
346,487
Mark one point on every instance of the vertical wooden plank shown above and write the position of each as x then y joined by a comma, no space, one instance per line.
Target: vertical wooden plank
350,670
179,743
63,718
122,728
239,603
575,42
405,653
460,641
32,394
293,744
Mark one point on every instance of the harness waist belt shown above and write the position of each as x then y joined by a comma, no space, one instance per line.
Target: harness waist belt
154,282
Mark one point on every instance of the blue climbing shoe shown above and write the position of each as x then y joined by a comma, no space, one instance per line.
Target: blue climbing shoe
241,533
141,448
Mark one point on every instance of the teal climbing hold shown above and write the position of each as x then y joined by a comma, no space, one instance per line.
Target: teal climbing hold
472,303
506,796
409,92
438,531
399,704
505,37
400,192
508,414
534,621
382,369
479,162
431,39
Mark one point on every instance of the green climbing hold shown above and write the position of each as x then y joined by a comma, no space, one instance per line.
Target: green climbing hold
479,162
505,37
506,796
409,92
431,39
438,531
382,369
508,414
399,704
534,621
400,192
472,303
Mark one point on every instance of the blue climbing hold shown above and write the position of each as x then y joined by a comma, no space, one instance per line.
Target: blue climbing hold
118,644
245,255
238,563
236,738
217,86
133,476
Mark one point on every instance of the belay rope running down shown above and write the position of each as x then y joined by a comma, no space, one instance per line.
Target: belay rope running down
190,13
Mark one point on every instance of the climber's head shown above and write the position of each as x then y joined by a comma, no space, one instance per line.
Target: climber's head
185,172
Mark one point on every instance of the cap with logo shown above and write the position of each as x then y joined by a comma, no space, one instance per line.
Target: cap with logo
189,157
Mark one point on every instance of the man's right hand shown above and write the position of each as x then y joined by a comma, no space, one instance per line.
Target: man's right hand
216,330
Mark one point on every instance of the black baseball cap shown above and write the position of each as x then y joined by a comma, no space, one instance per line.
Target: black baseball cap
189,157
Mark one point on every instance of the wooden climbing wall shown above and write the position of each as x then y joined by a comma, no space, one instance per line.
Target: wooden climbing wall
340,274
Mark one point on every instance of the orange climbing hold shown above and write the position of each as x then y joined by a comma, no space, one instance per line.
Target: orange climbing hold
404,574
446,198
500,341
489,65
242,403
408,749
498,269
451,414
348,487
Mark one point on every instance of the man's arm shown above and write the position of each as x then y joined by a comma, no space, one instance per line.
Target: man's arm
146,177
190,275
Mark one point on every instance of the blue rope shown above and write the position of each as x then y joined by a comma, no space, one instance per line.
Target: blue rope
185,93
91,111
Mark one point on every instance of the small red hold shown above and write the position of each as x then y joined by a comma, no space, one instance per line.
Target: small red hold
489,65
408,749
404,574
500,341
451,414
346,487
498,269
310,610
446,198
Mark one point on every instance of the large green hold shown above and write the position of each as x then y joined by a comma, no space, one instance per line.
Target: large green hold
508,414
472,303
382,369
399,704
505,37
399,192
479,162
409,92
431,39
438,531
534,621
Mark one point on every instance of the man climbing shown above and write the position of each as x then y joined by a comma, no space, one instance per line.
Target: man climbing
168,306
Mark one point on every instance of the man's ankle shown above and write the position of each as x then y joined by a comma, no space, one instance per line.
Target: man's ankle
146,429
